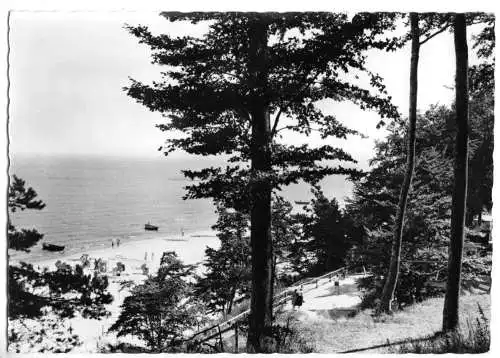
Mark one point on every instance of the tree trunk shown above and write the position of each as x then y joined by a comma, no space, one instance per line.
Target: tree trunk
451,300
392,275
260,320
231,300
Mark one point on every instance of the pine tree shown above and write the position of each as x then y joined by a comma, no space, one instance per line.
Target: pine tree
228,91
227,273
22,198
427,224
64,291
156,310
322,245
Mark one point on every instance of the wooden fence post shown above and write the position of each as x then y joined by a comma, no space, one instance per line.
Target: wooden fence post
220,340
236,338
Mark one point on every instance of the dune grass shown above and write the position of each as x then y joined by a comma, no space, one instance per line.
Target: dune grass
365,333
473,338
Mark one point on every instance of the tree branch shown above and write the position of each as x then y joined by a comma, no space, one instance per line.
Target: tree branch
435,34
276,120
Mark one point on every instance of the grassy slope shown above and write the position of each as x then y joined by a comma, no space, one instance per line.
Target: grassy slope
363,331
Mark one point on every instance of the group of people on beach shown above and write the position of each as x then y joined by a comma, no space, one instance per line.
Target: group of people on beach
152,256
115,242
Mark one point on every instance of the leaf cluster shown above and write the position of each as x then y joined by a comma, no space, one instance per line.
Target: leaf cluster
209,88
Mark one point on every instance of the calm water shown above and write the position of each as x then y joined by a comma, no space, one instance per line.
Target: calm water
91,200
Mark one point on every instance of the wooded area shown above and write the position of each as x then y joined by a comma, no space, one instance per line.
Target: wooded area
238,91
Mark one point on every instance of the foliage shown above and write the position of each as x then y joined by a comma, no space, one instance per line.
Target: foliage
227,273
22,198
426,230
322,244
220,90
285,229
66,290
228,268
121,347
33,294
156,310
289,338
206,91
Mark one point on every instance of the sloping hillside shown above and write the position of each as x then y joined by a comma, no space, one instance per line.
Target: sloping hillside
333,330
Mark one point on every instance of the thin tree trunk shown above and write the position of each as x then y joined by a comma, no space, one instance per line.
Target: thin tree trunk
231,300
260,321
451,301
393,273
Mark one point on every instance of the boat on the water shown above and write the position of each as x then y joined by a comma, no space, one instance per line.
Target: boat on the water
52,247
301,202
150,227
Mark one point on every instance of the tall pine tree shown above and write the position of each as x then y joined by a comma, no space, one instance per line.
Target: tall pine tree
228,93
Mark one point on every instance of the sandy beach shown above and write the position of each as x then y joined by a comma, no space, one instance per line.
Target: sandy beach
93,333
191,250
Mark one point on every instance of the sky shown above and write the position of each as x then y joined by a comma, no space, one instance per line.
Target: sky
67,71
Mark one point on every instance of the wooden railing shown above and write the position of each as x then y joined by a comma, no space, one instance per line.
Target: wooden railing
279,299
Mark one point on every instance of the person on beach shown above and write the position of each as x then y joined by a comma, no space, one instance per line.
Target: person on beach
295,296
146,256
300,299
112,243
118,242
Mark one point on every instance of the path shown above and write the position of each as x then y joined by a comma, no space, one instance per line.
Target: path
329,301
324,303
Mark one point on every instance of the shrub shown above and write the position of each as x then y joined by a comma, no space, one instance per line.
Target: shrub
156,310
287,337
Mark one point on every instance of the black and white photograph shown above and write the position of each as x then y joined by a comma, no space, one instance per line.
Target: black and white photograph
226,181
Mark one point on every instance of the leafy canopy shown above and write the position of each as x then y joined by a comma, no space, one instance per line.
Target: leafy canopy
207,91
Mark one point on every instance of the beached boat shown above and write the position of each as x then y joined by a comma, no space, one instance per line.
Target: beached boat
52,247
150,227
301,202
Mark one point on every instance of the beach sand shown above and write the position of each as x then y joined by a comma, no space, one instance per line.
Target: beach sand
190,250
93,333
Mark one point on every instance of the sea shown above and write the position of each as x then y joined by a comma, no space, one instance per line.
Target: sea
91,200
